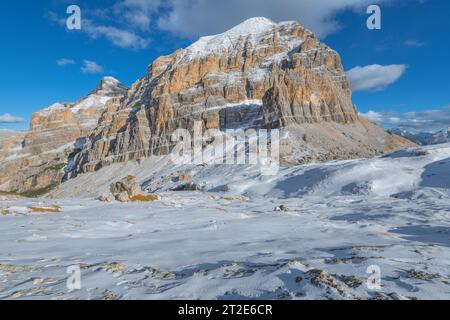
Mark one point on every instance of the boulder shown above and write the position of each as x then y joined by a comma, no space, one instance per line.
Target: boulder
123,197
188,187
106,197
282,208
125,189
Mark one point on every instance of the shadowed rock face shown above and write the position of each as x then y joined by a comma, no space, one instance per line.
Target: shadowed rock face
258,74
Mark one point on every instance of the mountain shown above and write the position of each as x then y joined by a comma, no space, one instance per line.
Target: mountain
36,163
425,138
260,74
64,123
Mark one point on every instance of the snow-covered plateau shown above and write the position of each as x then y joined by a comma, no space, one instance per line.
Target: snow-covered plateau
310,232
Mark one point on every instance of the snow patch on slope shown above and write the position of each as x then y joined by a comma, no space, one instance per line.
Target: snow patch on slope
89,102
388,176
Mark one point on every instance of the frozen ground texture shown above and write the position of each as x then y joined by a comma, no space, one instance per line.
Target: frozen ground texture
229,243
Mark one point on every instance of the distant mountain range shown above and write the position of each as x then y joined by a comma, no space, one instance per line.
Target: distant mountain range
424,138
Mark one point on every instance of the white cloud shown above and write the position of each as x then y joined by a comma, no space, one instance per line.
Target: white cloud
374,116
118,37
374,77
137,13
128,23
7,118
414,43
64,62
200,17
91,67
432,119
53,16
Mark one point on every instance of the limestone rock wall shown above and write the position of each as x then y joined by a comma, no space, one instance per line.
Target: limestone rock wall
40,158
282,67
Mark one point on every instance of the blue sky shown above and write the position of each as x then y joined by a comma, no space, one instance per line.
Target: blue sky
401,71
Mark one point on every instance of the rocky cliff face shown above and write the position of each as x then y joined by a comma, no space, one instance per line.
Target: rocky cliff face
10,140
259,74
37,163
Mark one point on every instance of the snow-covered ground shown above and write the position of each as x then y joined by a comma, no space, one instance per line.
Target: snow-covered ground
228,242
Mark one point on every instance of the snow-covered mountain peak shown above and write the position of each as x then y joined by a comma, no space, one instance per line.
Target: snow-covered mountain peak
109,86
255,27
54,107
251,26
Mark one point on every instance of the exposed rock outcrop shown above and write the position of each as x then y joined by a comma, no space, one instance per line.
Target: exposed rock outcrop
10,140
125,189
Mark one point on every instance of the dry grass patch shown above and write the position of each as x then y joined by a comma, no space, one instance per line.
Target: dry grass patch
144,198
11,269
229,198
6,193
234,198
51,209
184,177
160,274
30,293
114,267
